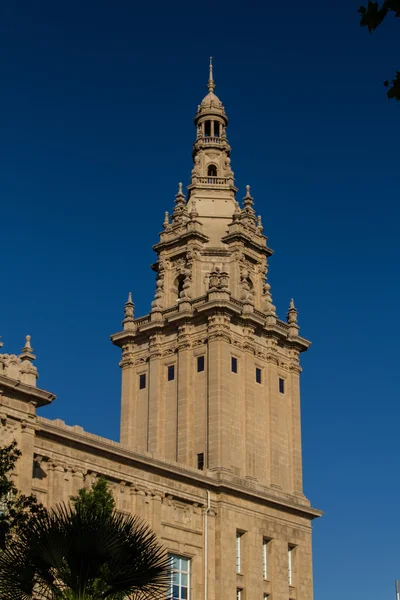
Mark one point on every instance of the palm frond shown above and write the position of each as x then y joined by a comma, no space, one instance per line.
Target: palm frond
78,553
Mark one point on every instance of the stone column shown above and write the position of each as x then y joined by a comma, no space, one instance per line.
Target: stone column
184,372
156,506
128,400
296,450
77,481
249,466
154,436
25,468
213,459
56,487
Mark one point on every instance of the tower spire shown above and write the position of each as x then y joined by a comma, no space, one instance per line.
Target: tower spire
211,83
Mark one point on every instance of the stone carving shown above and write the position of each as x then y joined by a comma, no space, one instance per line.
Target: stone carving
157,303
20,367
186,292
246,294
228,171
268,307
218,280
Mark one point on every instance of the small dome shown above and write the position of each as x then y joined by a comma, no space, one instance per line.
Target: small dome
211,103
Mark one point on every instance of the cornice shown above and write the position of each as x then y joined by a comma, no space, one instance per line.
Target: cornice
25,392
171,470
204,307
180,239
247,240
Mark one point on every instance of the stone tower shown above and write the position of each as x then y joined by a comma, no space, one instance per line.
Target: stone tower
210,377
210,452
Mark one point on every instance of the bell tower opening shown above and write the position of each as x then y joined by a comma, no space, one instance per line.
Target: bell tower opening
212,171
178,287
207,129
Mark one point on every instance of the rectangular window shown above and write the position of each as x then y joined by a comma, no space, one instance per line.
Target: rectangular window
265,558
258,375
266,596
200,461
179,578
290,564
239,594
171,372
238,552
200,364
234,365
281,385
142,381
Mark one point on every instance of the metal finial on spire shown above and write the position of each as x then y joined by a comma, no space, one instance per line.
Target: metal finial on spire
211,83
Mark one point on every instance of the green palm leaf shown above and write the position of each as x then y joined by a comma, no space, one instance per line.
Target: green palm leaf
76,554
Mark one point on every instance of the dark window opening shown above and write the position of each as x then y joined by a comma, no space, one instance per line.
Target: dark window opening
171,372
258,375
212,171
179,285
207,128
281,385
200,461
142,381
234,365
200,364
216,129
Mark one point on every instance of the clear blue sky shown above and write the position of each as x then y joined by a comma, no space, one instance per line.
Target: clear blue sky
96,109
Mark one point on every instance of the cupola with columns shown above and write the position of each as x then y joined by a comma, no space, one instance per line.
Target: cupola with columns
213,300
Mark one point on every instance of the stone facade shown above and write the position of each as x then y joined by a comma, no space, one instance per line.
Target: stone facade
210,450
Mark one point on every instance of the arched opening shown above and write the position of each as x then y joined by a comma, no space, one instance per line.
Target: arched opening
179,281
216,129
212,171
207,129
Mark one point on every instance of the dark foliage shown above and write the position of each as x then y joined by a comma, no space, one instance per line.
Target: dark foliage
16,510
73,553
372,16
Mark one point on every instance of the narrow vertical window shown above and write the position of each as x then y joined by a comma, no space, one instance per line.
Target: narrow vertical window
238,552
200,364
142,381
266,596
290,564
258,375
200,461
239,594
216,129
265,559
171,372
179,587
207,128
281,385
234,365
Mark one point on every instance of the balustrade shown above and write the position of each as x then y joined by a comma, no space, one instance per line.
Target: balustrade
213,180
212,140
